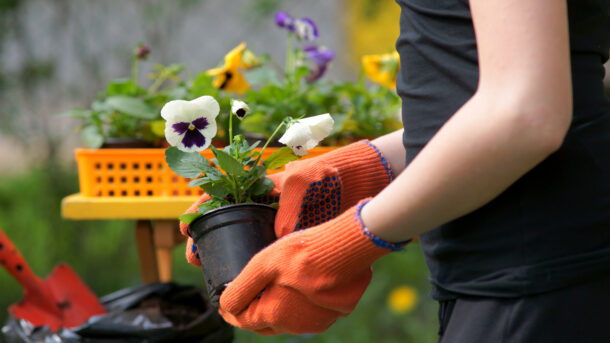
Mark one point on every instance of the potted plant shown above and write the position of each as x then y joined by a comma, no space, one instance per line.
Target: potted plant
238,220
126,114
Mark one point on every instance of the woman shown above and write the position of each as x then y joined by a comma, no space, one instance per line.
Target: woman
502,171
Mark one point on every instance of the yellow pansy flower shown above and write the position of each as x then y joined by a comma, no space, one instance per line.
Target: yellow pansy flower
402,299
382,69
228,77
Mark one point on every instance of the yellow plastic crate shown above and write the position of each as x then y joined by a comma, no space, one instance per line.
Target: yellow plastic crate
139,172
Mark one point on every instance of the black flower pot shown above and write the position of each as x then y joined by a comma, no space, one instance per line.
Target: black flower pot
227,238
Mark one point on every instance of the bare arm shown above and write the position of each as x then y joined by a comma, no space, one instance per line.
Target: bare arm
518,116
393,150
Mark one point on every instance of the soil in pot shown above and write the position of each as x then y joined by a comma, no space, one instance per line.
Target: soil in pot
227,238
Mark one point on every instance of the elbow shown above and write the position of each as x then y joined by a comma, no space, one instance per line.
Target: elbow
536,123
543,125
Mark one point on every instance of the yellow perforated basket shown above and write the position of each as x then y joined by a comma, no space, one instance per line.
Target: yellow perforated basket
140,172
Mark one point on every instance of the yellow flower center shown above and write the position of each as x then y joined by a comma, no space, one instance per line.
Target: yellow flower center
191,127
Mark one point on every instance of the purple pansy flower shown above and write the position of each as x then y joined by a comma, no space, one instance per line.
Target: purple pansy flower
320,57
190,125
283,19
304,28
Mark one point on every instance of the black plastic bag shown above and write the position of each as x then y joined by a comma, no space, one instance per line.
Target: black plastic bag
160,312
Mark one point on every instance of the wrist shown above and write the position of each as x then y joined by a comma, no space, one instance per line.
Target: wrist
345,243
368,216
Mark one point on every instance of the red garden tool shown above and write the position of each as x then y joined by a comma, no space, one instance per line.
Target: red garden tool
61,300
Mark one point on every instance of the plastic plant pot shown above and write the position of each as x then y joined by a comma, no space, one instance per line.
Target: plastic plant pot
227,238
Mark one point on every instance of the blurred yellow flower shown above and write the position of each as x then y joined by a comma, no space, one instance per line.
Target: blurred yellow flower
228,77
382,69
402,299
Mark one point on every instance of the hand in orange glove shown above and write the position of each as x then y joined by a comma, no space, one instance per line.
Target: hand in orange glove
320,188
306,280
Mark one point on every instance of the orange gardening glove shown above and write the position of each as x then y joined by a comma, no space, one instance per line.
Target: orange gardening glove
306,280
318,189
192,254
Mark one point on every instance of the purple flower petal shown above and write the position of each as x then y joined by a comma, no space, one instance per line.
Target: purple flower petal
306,29
283,19
321,57
315,73
181,127
193,137
200,123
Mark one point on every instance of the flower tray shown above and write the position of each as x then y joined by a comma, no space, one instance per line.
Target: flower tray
139,172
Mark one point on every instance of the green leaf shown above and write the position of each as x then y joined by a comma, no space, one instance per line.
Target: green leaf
280,157
215,190
91,137
188,218
202,84
300,73
208,206
200,181
228,163
256,172
187,164
261,76
262,187
132,106
120,87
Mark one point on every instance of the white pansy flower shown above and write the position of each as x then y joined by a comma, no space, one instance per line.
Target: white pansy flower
239,108
306,133
190,125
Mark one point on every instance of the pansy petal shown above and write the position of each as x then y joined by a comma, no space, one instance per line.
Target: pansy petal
306,29
239,108
172,110
180,127
283,19
193,138
172,137
233,58
320,125
208,106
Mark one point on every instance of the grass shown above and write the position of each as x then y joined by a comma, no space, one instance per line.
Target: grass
103,254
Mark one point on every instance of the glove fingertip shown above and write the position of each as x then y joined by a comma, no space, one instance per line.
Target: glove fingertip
192,253
184,229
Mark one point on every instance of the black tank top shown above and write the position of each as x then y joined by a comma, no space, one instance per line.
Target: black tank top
549,229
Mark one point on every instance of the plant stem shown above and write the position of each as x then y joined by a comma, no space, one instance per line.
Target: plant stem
155,86
134,72
231,129
261,153
267,142
288,68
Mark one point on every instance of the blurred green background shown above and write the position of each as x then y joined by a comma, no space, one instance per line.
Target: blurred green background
57,55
